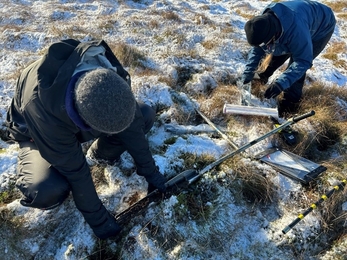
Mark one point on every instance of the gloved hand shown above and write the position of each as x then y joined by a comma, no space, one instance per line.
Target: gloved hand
273,90
156,181
260,78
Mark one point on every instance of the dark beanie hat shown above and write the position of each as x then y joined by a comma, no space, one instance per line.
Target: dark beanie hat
105,101
260,29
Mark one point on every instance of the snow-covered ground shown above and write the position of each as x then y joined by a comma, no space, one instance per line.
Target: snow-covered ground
205,39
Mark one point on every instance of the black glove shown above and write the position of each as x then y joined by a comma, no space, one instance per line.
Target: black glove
287,107
260,78
273,90
108,229
156,181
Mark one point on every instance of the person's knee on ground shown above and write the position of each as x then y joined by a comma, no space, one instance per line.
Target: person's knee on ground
47,194
41,184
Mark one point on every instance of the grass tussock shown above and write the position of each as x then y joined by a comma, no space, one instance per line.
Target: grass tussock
6,217
333,217
11,224
8,195
168,80
244,15
181,115
252,185
193,161
337,6
214,103
342,15
170,15
128,55
258,89
194,205
333,52
71,32
210,44
329,122
327,129
202,19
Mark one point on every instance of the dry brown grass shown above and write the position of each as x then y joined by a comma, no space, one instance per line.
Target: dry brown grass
337,6
333,217
170,15
74,31
192,161
342,15
202,19
13,232
253,186
153,24
258,89
168,80
182,116
329,122
332,54
128,55
9,194
209,44
212,105
227,29
244,15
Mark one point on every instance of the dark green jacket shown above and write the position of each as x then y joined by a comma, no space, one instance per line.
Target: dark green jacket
38,113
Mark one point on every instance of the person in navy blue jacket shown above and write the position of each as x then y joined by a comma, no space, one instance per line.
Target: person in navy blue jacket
294,30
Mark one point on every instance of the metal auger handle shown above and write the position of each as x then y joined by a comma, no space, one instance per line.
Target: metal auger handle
306,115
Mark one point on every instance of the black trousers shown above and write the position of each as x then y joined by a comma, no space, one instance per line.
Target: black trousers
41,184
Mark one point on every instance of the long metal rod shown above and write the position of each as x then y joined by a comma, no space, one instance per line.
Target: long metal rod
192,175
314,206
246,146
208,121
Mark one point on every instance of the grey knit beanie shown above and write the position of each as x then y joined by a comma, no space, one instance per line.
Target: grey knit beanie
105,101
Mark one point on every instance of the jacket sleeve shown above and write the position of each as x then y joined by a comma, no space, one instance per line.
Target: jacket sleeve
134,141
254,57
301,49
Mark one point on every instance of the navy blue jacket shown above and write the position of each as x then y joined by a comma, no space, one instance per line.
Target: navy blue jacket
302,23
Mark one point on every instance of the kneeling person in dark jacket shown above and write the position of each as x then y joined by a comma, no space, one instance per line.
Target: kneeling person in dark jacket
75,93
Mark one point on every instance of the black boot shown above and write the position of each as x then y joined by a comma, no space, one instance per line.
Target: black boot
93,156
287,108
